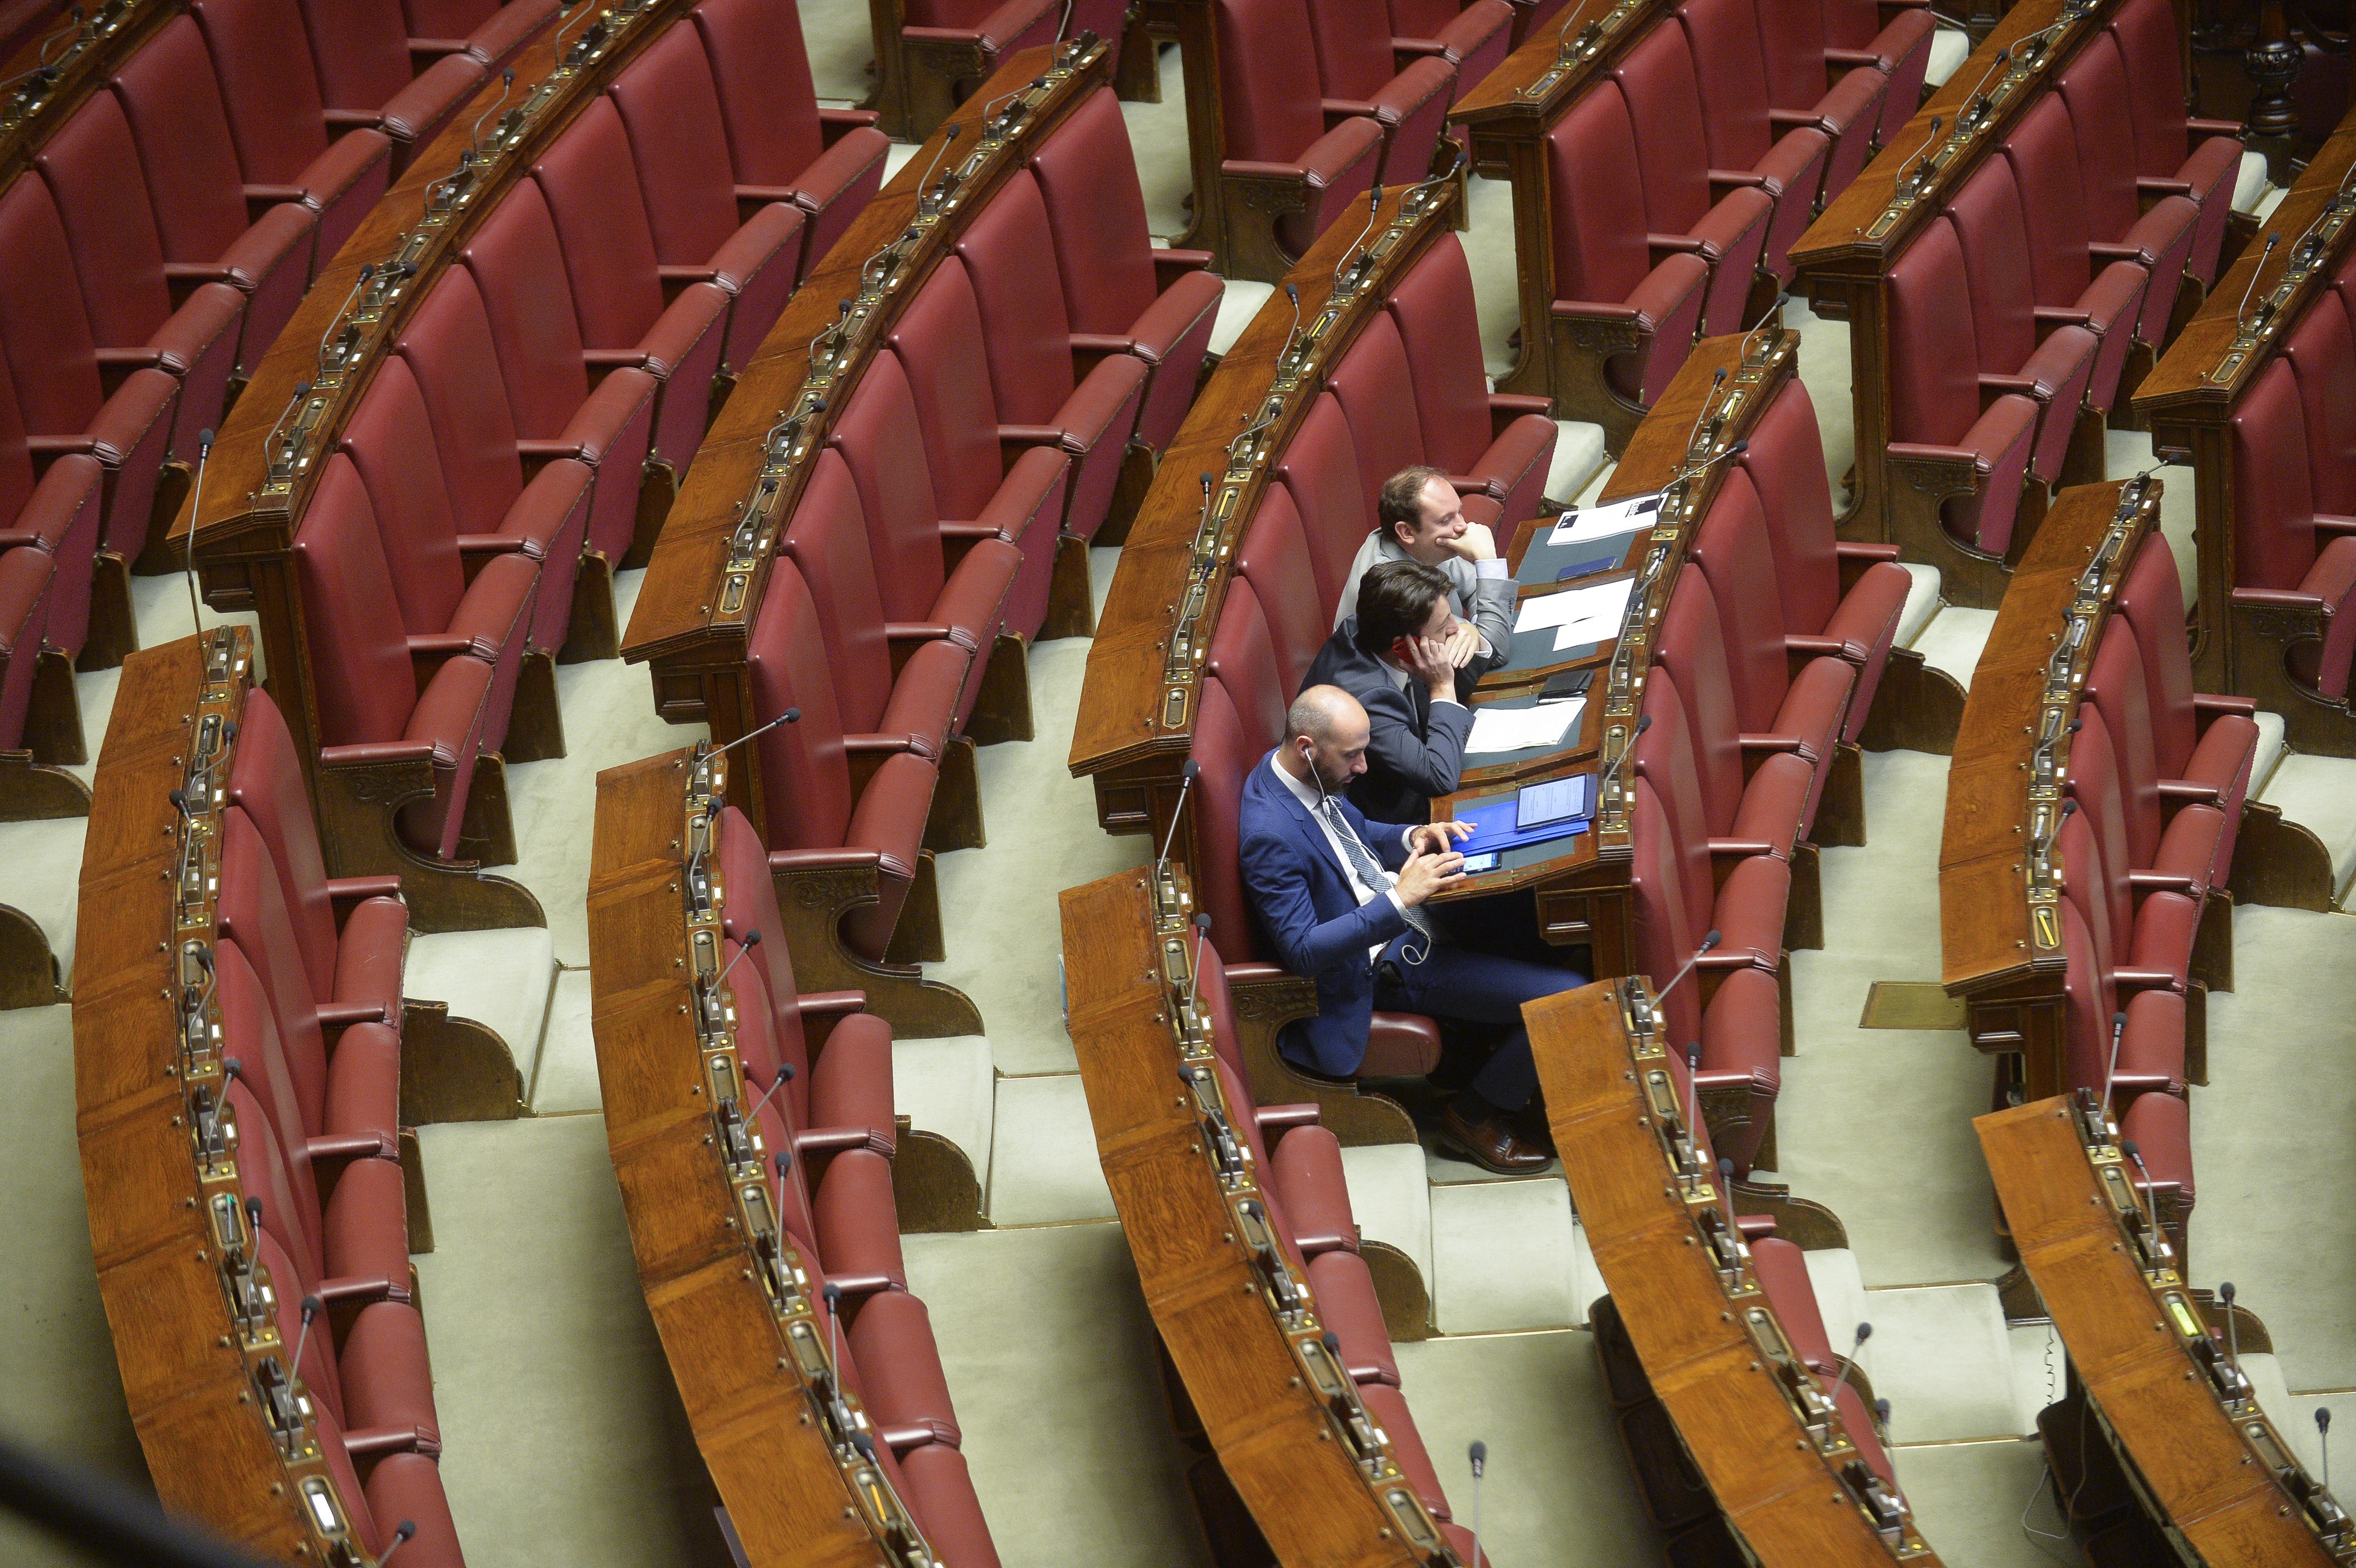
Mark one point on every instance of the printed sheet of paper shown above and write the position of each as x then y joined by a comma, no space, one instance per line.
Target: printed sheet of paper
1577,616
1521,729
1587,524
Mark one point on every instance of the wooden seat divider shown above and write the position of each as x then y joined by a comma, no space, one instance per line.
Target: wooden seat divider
1281,1417
2244,643
741,1322
1842,264
2158,1407
289,419
704,583
1687,1334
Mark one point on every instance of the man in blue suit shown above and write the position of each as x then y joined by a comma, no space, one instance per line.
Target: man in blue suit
1338,899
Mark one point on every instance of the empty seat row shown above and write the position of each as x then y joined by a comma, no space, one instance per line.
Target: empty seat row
986,441
826,1122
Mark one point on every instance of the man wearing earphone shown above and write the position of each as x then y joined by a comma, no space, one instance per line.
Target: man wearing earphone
1338,899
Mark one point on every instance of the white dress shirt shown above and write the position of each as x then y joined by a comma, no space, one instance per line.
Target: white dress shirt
1309,795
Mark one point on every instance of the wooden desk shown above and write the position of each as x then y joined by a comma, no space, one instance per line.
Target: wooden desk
1786,1479
1843,263
2188,401
746,1338
1282,1417
2206,1462
204,1369
275,442
66,60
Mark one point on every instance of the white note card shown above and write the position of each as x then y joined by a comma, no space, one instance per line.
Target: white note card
1585,525
1522,729
1592,614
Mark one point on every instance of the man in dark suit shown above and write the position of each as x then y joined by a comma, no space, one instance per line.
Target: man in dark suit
1338,899
1395,658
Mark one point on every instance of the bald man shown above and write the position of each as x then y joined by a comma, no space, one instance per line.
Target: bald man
1339,898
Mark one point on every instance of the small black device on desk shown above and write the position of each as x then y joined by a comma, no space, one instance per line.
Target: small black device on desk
1569,683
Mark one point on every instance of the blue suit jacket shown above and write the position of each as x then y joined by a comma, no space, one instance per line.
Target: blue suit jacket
1309,918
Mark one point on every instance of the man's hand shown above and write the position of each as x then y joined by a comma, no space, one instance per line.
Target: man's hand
1430,660
1437,838
1463,643
1476,543
1424,874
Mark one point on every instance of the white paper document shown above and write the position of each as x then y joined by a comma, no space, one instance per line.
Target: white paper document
1587,524
1520,729
1592,614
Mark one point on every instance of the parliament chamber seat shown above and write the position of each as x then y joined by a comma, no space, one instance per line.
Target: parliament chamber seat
54,504
2291,553
1473,36
1361,74
1728,224
1712,64
375,71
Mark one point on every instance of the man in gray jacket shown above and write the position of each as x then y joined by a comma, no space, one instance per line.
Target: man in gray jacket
1422,519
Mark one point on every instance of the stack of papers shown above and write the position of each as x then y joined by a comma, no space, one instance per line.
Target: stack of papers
1586,525
1592,614
1523,729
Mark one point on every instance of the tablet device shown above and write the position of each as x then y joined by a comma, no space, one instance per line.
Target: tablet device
1553,801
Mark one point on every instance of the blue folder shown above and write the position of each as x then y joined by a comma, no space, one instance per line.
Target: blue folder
1495,829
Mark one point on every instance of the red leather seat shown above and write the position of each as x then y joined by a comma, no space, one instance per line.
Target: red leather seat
261,58
1031,355
1320,470
1503,444
671,110
376,1384
1243,662
355,1242
592,190
1726,819
1746,143
485,30
1274,562
805,773
56,509
1605,266
857,1226
1360,75
369,74
934,1482
1389,1407
2161,1126
2206,742
1935,412
53,361
26,574
781,146
941,349
1120,294
407,1488
1473,36
1273,125
2186,842
1306,1166
1736,233
1783,1271
2286,553
900,1377
1376,391
1848,101
516,285
1824,611
1867,33
2055,370
372,705
2139,66
995,30
1353,1313
2151,1043
2150,928
2069,239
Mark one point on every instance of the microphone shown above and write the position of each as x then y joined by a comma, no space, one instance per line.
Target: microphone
1717,379
1374,203
954,127
474,132
2233,1326
1194,986
1976,107
2143,1199
1694,1126
2272,240
833,1293
1733,449
1707,943
1186,776
2118,1032
752,939
1643,723
791,715
1725,1191
196,505
326,339
1292,292
1881,1413
1064,21
2323,1430
310,1305
1479,1455
1908,180
408,1527
785,1071
1864,1333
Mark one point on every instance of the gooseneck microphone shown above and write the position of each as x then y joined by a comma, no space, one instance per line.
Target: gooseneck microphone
1480,1457
1864,1333
1195,976
702,769
785,1071
2272,240
1732,449
2119,1033
752,941
2323,1430
1707,943
1186,777
310,1305
1717,379
400,1534
2232,1323
833,1295
1643,723
1908,179
196,510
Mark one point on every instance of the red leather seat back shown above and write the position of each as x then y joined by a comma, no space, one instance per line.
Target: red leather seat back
261,58
2116,686
290,1207
1353,49
2095,783
2273,507
1600,252
1995,244
1439,325
254,914
44,327
360,51
1376,388
1665,759
1935,361
93,175
1008,250
1088,178
2094,88
461,381
828,540
2042,153
2086,986
1665,108
26,574
1792,49
2151,598
1275,562
266,784
318,1368
366,691
389,438
1664,935
1224,753
1787,466
516,267
941,344
1321,469
1736,558
1243,660
1218,1003
181,127
2322,354
749,903
882,443
592,187
2150,52
670,110
761,70
1730,68
1267,102
804,774
1692,647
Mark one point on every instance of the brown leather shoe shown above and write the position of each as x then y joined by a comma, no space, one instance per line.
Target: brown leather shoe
1492,1145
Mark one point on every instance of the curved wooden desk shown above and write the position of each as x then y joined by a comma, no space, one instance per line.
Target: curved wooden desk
1843,263
1241,1326
2188,401
70,57
228,1434
2206,1470
290,418
739,1324
1791,1488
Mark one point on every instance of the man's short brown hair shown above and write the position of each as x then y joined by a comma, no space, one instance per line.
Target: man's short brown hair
1395,600
1401,496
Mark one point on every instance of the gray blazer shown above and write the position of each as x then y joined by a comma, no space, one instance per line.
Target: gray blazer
1487,602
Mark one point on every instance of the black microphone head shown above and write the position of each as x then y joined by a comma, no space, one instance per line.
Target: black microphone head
833,1293
1202,922
1292,292
2323,1417
2069,807
1864,1332
233,1068
310,1305
784,1162
1206,483
180,798
1725,1167
753,938
205,440
2128,1147
1881,1412
1375,197
1738,448
253,1212
205,959
2118,1021
507,77
1716,376
1643,723
2225,1292
1332,1342
1713,940
785,1071
1187,774
865,1444
1693,1056
793,715
302,389
1479,1452
408,1527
